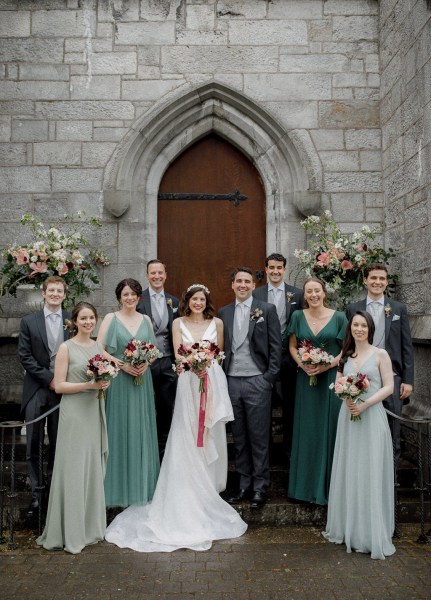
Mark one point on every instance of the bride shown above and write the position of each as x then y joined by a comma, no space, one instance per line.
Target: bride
186,510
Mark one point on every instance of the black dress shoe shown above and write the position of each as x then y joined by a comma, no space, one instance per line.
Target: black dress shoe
258,500
239,496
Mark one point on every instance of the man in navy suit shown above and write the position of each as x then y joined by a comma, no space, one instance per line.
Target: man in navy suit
162,308
252,345
40,336
286,299
393,334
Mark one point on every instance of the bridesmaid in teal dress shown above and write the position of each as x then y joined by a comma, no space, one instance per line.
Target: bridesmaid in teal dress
133,465
76,508
316,407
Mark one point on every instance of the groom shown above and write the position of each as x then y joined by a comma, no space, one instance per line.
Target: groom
162,308
252,345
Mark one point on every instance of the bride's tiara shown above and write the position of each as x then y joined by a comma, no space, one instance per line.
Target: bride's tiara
198,285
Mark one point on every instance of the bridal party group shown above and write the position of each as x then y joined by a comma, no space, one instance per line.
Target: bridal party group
144,405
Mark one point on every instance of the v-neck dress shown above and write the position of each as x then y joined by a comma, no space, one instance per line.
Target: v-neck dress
361,498
316,414
133,465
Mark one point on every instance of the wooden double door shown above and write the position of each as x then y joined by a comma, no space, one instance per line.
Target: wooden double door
202,234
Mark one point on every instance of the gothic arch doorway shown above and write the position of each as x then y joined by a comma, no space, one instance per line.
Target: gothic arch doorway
203,239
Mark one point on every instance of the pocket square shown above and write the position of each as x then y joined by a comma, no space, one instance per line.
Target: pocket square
260,320
293,303
174,310
396,318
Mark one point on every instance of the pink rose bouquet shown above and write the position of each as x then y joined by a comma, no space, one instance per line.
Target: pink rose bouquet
350,387
138,352
310,355
101,369
197,357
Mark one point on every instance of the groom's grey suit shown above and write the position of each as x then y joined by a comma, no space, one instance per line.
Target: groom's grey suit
251,394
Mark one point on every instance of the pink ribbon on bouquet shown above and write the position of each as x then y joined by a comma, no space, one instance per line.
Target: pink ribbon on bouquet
202,411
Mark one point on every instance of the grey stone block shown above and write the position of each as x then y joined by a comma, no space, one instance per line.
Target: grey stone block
97,87
142,33
350,7
241,9
319,31
200,17
349,113
13,154
24,179
288,86
350,206
46,72
76,180
267,33
369,139
149,55
340,161
24,90
313,63
96,154
376,200
371,160
27,130
31,50
346,29
131,243
12,208
349,80
111,63
109,134
202,38
14,24
150,89
85,110
294,115
295,9
57,153
202,59
328,139
352,182
63,23
74,130
5,128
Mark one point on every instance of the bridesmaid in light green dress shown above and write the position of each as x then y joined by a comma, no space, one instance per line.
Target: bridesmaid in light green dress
76,509
133,465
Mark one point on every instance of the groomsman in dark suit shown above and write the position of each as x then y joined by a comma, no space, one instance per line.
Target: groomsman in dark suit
40,336
252,345
393,334
286,299
162,308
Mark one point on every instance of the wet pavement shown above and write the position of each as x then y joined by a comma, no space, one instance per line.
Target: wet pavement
281,563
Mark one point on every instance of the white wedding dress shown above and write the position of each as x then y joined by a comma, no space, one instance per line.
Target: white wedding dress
186,510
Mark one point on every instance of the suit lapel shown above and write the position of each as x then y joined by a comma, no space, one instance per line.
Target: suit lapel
229,323
41,325
252,322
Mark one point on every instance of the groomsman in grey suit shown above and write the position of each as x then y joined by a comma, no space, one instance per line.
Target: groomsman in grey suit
393,334
162,308
286,299
252,345
40,336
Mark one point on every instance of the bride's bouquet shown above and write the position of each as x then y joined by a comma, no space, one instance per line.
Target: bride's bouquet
197,357
350,387
310,355
138,352
101,369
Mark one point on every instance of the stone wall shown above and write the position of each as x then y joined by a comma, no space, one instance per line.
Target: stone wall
405,58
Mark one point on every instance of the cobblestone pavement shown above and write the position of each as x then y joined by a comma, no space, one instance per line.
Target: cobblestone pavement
265,564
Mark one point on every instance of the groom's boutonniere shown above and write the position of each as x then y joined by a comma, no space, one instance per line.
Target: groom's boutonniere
255,314
169,302
67,325
289,296
388,310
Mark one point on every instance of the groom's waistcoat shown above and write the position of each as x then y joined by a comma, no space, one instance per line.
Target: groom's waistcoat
242,363
163,338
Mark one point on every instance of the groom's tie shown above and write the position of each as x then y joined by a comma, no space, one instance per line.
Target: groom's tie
157,313
239,325
376,311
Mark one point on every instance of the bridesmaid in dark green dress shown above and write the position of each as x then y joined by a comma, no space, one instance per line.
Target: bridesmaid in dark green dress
133,464
316,407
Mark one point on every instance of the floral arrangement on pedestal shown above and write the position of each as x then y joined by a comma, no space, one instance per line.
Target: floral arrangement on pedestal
53,251
339,260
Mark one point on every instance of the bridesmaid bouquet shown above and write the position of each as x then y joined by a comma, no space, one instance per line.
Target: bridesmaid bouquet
197,357
310,355
350,387
101,369
138,352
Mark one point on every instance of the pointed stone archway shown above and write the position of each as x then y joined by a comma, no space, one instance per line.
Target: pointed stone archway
287,162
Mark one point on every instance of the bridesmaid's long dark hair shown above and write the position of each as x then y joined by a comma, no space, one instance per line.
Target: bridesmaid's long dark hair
349,345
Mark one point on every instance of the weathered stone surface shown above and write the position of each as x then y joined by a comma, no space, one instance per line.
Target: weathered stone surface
313,63
24,179
102,87
290,86
295,9
13,154
156,33
131,242
267,33
351,113
23,90
44,72
348,204
201,59
340,161
111,63
109,134
349,80
12,208
352,182
76,180
85,110
5,128
202,38
363,138
63,23
238,9
57,153
151,89
14,24
328,139
294,114
96,154
351,7
371,160
31,50
27,130
346,29
200,17
74,130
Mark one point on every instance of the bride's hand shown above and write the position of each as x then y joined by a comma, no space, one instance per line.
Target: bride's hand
201,374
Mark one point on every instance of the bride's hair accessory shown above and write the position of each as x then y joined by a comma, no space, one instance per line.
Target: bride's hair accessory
198,285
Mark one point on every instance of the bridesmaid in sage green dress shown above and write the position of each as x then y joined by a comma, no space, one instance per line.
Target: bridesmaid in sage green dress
76,508
133,465
316,407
